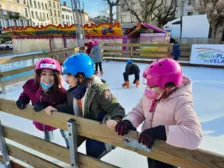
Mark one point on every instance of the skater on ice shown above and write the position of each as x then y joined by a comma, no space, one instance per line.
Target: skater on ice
131,69
166,110
44,90
89,47
88,97
175,46
97,57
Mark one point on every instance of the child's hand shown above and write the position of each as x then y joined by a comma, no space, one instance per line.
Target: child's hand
111,124
49,110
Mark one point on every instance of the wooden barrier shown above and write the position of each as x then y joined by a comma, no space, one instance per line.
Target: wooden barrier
113,51
47,148
59,55
94,130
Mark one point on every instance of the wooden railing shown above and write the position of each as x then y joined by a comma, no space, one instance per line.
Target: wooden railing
141,51
60,55
87,128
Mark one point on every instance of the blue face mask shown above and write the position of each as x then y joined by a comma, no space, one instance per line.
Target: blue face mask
46,86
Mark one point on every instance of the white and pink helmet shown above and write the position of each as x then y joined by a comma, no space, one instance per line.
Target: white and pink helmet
163,71
48,63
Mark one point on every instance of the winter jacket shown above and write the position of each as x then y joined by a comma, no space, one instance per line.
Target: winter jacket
131,69
98,98
176,112
34,93
96,54
176,50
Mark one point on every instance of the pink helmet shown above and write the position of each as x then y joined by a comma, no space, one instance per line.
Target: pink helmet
163,71
90,44
48,63
95,42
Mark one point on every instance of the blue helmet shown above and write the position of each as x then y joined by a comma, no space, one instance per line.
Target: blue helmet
78,63
129,62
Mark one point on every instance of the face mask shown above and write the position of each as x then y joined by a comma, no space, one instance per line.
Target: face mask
151,94
46,86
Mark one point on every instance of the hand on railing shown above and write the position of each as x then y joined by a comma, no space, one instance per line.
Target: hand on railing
49,110
111,124
149,136
123,127
21,104
39,106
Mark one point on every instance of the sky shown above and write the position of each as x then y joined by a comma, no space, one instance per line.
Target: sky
92,7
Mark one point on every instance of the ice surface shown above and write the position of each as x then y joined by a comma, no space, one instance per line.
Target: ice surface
208,91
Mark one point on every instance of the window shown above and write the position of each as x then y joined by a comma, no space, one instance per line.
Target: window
189,13
47,16
55,14
39,5
42,5
14,23
21,23
58,13
71,17
26,13
24,1
17,1
46,6
50,3
41,16
35,5
190,2
50,12
52,22
58,5
7,23
44,16
32,14
54,4
31,3
63,16
36,14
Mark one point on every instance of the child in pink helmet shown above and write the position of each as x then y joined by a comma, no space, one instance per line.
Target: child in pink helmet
166,110
44,90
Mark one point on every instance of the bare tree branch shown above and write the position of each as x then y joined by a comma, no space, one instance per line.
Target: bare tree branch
111,4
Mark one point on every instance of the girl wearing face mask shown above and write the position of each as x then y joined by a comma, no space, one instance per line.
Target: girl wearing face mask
166,110
44,90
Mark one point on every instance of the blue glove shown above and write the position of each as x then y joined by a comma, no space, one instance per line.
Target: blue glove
149,136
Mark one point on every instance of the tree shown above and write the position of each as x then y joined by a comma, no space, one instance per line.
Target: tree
111,4
165,12
215,12
143,9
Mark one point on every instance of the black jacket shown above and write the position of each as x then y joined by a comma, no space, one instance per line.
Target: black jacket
131,69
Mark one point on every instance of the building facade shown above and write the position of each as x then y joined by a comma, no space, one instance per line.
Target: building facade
14,13
66,15
54,8
38,10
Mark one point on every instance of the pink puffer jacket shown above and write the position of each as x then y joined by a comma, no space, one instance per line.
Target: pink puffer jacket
177,113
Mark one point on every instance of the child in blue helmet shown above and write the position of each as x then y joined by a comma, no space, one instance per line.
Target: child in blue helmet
88,97
131,69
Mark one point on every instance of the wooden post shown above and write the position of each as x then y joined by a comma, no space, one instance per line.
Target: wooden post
2,86
4,149
72,137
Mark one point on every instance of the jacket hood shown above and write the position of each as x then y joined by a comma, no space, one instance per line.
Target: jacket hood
185,89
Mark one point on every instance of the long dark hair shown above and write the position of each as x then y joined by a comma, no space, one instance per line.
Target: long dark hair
57,81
